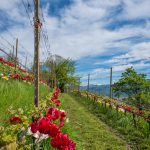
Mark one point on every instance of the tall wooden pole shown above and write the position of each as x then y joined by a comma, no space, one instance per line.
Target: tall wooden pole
13,54
37,25
111,83
55,80
13,51
88,87
26,63
16,54
79,85
52,73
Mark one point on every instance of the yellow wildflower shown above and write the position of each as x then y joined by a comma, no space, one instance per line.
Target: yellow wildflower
5,78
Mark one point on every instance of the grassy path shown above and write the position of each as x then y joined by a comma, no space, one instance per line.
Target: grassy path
87,130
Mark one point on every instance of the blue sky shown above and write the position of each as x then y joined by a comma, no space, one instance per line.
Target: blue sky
96,34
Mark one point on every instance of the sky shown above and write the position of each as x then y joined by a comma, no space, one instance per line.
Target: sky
96,34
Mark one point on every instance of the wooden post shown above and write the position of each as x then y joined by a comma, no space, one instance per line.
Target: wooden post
10,54
16,54
26,63
37,25
55,80
13,54
111,83
79,86
52,73
13,51
88,87
134,120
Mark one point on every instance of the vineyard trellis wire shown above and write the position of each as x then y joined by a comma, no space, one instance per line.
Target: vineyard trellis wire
13,59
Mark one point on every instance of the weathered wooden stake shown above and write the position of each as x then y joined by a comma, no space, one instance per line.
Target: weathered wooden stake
26,63
55,79
13,51
111,83
37,25
88,87
134,120
16,54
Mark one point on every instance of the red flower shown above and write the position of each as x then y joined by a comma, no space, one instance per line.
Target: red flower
62,142
72,145
23,78
57,90
44,125
57,102
15,119
16,76
127,108
54,113
1,59
63,114
62,119
34,127
54,130
55,95
52,99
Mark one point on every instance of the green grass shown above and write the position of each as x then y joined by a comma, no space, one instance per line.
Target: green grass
121,125
17,94
86,130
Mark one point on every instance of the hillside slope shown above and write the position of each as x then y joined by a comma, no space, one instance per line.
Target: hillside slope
17,94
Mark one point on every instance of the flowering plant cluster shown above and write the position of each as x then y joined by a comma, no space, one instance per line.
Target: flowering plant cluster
119,106
6,62
7,69
23,78
10,64
32,128
49,126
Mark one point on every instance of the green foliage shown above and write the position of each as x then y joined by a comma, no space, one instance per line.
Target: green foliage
61,72
17,94
85,128
134,85
64,73
121,124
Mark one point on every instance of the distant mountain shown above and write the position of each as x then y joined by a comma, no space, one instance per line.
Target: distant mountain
101,90
98,89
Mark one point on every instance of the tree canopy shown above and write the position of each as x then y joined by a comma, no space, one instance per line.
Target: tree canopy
61,72
134,85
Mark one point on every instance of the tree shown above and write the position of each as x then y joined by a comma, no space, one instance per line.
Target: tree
133,85
65,73
61,71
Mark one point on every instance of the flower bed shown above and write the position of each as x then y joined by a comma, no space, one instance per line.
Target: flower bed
7,72
41,126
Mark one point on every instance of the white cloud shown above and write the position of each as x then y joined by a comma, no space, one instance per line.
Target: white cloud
80,30
136,9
